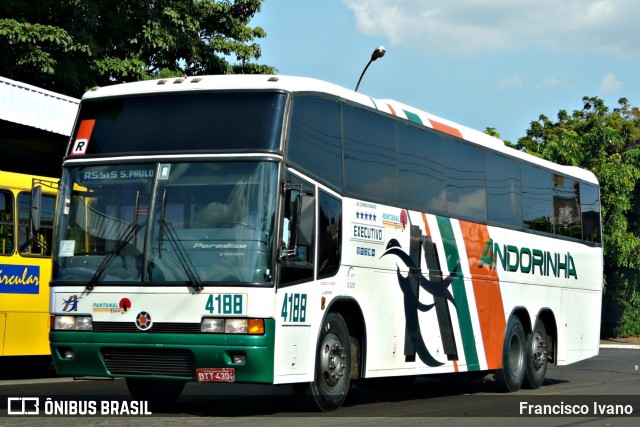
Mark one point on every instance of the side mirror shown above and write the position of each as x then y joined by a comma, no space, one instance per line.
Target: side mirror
36,208
298,223
306,216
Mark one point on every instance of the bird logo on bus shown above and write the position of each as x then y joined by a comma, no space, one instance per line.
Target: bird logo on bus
439,289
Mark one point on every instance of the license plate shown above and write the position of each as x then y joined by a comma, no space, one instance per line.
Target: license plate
216,375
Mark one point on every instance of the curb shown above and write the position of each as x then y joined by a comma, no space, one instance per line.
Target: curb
627,346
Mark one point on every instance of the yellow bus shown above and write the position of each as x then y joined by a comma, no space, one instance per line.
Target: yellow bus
25,264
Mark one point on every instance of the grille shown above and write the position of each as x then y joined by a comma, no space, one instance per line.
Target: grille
149,361
157,328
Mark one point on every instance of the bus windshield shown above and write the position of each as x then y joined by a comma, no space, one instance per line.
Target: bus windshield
167,223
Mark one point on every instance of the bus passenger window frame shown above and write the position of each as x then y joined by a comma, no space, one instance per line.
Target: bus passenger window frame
7,224
41,245
329,234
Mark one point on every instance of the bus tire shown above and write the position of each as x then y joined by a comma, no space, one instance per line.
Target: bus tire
333,365
156,392
511,376
536,356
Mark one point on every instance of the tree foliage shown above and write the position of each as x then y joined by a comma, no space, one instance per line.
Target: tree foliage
69,46
608,144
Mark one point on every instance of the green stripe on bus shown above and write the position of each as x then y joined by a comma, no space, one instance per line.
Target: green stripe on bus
459,294
413,117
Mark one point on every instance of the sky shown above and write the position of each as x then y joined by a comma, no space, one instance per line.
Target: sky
480,63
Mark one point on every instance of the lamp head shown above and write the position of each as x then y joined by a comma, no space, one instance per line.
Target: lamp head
378,53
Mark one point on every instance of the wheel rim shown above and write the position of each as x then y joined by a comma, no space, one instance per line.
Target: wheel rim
515,354
332,360
538,351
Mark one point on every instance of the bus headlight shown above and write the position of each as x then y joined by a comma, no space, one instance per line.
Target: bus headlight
232,326
215,326
236,326
64,323
84,323
72,323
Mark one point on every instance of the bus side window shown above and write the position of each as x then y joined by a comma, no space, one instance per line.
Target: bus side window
590,212
6,223
329,234
41,241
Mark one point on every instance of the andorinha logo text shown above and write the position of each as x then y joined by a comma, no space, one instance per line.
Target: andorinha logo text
528,261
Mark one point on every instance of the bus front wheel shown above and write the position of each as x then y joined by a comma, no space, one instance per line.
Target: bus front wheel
157,392
333,365
511,376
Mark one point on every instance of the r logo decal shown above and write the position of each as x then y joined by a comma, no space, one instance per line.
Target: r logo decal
83,136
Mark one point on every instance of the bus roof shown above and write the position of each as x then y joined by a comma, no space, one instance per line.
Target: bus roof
305,84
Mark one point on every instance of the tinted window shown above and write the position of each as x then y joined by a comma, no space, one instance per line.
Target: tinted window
370,155
40,243
329,235
590,208
466,194
536,198
6,223
421,173
181,122
314,140
566,202
504,201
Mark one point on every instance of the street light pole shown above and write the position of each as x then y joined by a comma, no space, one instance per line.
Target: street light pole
377,53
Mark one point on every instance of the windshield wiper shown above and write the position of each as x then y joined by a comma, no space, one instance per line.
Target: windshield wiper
176,244
182,256
121,241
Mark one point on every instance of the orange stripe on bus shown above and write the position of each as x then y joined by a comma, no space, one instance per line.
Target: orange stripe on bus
86,129
426,225
445,128
392,110
486,289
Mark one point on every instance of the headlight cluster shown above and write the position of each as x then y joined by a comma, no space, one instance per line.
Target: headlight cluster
207,325
72,323
232,326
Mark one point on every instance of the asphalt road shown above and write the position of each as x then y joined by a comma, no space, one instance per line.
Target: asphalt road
596,387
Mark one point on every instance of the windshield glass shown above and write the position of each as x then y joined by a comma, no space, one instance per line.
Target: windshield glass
194,223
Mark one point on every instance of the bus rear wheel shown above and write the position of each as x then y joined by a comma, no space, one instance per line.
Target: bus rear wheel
536,357
511,376
333,366
156,392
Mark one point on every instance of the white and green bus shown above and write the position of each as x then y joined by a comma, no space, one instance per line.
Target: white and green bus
284,230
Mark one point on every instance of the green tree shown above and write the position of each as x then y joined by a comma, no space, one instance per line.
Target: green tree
608,144
69,46
494,133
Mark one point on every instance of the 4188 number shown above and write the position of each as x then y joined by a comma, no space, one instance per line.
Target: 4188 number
294,308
